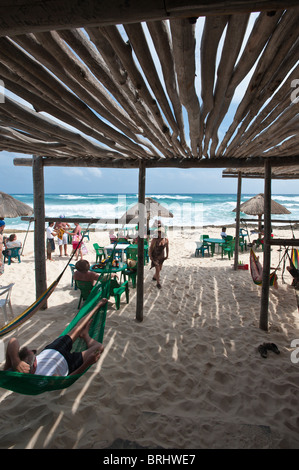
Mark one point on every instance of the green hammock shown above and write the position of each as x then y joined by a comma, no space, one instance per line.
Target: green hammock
30,384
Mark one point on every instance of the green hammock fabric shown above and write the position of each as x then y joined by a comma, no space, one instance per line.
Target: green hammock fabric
30,384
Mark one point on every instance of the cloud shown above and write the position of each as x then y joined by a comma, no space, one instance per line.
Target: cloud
87,174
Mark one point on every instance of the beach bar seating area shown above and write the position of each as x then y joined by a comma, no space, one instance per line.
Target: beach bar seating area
116,130
208,359
209,246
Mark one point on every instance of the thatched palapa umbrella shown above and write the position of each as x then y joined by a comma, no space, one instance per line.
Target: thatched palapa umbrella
152,209
255,206
11,207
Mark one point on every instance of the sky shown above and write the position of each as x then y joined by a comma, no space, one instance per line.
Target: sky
158,181
18,180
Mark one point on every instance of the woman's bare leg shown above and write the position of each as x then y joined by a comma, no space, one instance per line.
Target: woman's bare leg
157,275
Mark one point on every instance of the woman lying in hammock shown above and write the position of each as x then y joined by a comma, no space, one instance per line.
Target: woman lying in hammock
57,358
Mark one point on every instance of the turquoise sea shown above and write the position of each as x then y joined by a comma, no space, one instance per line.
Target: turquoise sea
188,209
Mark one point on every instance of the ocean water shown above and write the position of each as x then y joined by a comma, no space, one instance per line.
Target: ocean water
188,209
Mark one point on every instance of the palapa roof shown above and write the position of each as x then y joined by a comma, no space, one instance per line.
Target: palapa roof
280,172
11,207
256,206
152,207
116,83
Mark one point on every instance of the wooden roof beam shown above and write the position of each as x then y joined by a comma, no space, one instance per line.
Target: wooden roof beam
163,163
35,16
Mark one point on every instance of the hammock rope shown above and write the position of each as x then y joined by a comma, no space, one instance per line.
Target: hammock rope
39,303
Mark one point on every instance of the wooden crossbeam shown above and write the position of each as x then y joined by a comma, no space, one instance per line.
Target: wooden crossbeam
31,16
162,163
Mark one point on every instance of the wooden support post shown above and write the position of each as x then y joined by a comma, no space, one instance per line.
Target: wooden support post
39,228
141,235
237,236
267,248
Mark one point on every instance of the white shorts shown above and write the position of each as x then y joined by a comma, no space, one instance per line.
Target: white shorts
64,240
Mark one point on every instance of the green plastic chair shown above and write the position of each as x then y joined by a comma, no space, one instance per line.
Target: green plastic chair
131,253
228,248
12,253
134,249
118,291
242,244
100,252
86,234
113,283
85,289
132,275
72,266
243,233
202,246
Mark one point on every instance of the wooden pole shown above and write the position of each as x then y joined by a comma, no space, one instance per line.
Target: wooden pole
267,248
237,237
141,234
24,17
39,228
260,224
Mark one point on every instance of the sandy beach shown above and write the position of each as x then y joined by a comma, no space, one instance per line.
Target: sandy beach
188,377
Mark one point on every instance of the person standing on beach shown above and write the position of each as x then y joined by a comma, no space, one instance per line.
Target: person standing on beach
60,228
157,256
50,240
77,240
2,226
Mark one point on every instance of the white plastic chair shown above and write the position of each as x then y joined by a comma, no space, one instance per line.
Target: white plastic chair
6,301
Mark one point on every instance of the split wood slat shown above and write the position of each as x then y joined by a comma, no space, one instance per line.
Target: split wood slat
183,37
118,84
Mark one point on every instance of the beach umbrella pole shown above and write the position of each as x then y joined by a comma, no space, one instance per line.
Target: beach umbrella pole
237,236
25,238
